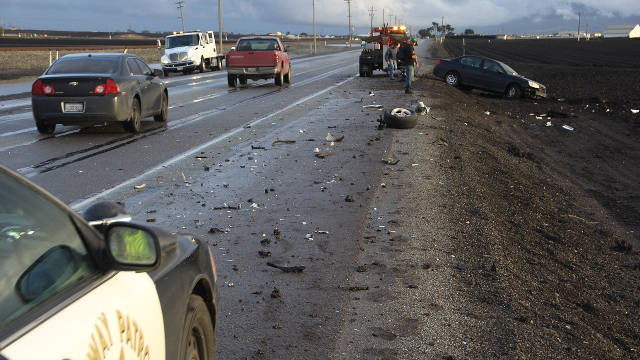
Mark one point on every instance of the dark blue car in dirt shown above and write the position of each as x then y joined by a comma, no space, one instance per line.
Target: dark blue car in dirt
487,74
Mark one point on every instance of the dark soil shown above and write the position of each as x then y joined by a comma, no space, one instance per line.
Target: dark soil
553,215
596,75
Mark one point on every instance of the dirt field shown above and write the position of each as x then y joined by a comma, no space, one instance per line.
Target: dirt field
546,221
602,74
19,64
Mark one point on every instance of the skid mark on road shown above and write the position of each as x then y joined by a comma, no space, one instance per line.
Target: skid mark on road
80,204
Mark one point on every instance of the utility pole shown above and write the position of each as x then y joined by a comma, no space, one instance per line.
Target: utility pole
220,28
349,4
180,4
390,16
395,17
315,34
372,12
579,18
382,16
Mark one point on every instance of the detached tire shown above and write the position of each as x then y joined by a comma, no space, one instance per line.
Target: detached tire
198,338
400,118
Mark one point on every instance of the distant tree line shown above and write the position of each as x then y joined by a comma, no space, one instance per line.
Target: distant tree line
445,29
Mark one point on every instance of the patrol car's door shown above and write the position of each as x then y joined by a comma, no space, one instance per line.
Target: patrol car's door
54,302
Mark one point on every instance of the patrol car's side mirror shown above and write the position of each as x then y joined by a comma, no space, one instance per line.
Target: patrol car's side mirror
49,272
133,246
103,213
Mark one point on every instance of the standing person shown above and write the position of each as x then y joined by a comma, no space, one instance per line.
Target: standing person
410,61
391,56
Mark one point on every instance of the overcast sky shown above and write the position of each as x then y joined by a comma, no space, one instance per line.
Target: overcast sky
262,16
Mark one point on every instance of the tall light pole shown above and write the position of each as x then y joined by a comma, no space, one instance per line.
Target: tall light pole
220,28
315,35
349,3
180,4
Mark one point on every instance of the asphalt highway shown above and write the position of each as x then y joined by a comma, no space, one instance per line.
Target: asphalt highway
77,164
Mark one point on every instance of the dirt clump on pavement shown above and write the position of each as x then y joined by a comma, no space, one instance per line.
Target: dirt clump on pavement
523,239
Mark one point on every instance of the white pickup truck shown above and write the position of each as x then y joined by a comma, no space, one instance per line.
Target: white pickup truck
189,51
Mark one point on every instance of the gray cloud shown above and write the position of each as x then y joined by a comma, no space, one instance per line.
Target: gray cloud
285,15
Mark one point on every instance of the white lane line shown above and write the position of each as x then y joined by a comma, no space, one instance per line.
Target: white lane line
10,104
174,124
38,139
80,204
16,117
18,131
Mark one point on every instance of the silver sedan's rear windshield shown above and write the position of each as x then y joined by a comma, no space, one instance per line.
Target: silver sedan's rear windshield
258,44
85,65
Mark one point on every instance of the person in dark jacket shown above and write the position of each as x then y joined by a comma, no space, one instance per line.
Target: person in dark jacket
407,55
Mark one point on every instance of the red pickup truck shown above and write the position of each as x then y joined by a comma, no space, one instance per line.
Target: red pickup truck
258,57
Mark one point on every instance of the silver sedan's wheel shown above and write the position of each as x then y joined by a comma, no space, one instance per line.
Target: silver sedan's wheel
133,125
452,79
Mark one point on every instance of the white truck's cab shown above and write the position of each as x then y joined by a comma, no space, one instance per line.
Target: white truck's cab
189,51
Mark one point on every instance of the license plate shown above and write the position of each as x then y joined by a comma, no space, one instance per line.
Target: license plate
73,107
179,68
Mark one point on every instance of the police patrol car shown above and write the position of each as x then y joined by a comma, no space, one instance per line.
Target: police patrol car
100,289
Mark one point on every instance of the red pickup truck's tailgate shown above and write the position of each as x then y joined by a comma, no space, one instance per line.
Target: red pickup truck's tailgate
252,59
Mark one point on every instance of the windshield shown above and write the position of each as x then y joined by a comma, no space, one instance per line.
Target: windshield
85,65
508,69
182,40
257,44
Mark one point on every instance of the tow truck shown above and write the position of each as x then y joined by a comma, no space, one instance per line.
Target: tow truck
372,56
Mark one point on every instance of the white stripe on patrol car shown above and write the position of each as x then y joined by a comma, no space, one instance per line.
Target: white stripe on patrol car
120,319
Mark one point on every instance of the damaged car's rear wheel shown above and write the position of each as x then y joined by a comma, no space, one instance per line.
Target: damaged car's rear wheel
452,78
400,118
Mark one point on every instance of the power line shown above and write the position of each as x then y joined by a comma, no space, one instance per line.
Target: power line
180,4
350,33
372,12
315,34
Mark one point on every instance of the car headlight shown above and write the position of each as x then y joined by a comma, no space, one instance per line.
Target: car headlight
164,60
534,84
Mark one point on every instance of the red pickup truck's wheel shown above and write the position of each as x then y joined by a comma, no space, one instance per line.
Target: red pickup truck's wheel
279,80
231,80
289,76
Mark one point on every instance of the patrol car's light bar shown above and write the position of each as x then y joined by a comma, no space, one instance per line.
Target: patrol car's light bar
402,27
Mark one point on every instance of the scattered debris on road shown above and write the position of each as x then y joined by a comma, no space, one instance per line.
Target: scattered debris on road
140,187
280,141
324,154
390,161
288,269
334,138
